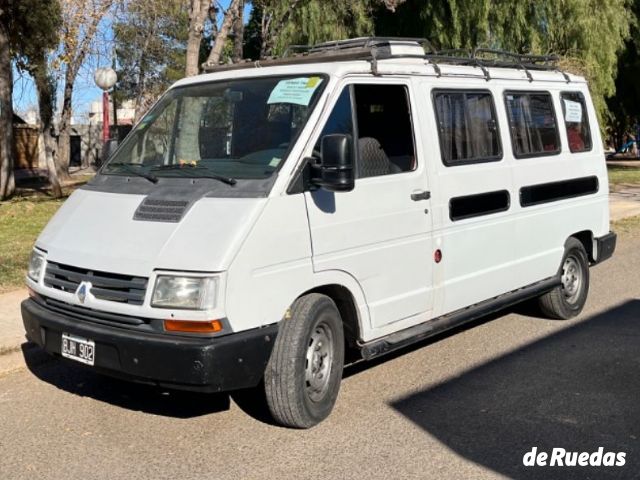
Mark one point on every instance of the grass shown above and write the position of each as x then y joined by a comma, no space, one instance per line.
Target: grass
21,221
627,225
628,175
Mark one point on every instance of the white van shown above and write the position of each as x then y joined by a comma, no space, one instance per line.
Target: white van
268,223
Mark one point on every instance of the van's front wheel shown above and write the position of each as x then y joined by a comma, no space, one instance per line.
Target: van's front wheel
568,299
304,372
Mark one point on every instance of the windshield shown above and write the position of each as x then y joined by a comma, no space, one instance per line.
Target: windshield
239,129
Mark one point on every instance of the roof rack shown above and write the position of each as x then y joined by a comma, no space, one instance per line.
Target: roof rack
374,49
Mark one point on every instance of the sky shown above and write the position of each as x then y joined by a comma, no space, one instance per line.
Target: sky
85,90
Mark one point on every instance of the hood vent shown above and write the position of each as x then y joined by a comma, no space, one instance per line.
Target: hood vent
159,210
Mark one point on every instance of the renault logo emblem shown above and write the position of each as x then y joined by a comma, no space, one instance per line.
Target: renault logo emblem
82,291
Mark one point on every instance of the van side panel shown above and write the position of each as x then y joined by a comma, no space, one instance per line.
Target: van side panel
541,230
478,255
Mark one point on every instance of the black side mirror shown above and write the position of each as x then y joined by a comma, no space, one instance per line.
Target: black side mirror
335,171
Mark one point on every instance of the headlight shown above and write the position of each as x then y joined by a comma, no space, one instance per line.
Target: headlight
36,264
193,293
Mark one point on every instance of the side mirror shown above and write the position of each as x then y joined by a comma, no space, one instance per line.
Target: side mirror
335,171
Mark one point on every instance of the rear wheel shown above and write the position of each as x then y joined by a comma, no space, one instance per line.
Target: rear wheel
568,299
304,372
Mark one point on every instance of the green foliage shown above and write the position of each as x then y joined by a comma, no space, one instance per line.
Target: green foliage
308,22
588,33
33,27
150,39
317,21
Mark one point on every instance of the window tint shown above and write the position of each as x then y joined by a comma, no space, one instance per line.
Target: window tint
532,119
340,121
385,131
467,127
576,121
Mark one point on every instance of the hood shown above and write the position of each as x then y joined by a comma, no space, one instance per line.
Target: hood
97,230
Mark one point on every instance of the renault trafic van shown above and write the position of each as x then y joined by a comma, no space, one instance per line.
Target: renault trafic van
269,222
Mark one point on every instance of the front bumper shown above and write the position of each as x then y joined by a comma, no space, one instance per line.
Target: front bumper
216,364
606,245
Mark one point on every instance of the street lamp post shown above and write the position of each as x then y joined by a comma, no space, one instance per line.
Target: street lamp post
105,79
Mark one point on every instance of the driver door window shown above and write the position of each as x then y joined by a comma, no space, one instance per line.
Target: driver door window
385,143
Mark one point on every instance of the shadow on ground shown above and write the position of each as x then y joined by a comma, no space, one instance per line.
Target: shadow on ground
81,381
578,389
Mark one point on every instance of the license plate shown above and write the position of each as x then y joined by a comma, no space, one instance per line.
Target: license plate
78,349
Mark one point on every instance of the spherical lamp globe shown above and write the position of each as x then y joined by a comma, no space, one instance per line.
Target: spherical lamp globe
105,78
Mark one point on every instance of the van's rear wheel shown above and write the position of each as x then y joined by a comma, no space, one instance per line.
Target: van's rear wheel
568,299
304,372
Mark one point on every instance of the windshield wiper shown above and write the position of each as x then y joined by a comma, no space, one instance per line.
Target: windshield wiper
191,169
129,168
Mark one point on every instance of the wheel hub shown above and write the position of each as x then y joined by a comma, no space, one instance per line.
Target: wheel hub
319,358
571,279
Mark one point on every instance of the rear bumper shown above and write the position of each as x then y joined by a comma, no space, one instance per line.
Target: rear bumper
606,245
217,364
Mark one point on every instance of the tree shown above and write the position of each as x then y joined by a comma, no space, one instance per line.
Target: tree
81,19
275,24
28,28
198,13
7,182
150,38
229,18
587,33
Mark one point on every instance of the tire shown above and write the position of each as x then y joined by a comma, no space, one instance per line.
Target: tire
568,299
303,376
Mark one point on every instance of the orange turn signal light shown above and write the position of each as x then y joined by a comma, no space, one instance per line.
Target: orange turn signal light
187,326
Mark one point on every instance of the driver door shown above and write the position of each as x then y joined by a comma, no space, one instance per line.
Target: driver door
380,233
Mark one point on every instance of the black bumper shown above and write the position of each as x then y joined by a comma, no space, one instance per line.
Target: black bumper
218,364
606,245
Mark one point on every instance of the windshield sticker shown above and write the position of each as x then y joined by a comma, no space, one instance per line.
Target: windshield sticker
295,90
275,161
572,111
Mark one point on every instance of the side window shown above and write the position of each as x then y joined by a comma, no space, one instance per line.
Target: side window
532,119
385,132
340,121
467,127
576,121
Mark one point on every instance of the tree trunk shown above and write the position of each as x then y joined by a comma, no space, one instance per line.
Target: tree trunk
218,46
197,16
7,181
64,139
45,87
238,34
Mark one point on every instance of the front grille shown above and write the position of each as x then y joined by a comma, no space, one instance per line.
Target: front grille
77,312
104,286
156,210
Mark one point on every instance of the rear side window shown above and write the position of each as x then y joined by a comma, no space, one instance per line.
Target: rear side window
467,127
576,121
532,121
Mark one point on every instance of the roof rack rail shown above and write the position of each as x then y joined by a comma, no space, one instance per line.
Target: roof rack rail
373,49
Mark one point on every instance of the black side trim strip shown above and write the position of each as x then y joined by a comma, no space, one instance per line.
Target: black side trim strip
479,204
438,325
554,191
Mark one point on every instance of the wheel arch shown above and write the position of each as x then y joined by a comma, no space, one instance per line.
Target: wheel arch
351,319
586,238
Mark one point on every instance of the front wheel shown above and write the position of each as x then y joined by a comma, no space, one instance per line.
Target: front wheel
568,299
304,372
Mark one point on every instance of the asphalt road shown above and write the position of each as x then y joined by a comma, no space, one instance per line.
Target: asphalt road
466,405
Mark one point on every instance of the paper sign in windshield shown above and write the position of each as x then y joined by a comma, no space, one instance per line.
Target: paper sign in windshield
572,111
295,90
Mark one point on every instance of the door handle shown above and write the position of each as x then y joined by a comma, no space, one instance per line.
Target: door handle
420,195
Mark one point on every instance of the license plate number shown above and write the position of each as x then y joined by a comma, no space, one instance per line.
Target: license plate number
79,349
